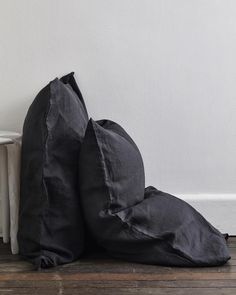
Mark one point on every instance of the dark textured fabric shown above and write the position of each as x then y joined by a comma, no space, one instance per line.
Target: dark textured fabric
133,223
50,223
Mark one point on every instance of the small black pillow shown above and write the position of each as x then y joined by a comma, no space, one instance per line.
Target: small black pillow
139,225
50,223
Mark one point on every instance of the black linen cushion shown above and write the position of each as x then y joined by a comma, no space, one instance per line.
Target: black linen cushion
50,223
133,223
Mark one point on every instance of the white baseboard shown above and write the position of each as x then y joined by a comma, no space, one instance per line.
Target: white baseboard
218,209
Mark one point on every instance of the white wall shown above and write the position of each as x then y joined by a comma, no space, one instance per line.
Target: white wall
165,70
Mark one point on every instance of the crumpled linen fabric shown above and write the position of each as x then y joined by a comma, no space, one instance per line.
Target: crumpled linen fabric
51,230
83,185
134,223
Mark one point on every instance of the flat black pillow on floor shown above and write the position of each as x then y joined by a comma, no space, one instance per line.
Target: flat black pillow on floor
50,224
142,226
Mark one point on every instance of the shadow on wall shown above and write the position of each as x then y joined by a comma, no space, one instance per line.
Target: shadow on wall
16,112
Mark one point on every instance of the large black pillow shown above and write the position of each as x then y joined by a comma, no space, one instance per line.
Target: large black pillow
139,225
50,223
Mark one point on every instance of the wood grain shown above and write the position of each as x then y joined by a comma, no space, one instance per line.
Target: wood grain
104,275
119,291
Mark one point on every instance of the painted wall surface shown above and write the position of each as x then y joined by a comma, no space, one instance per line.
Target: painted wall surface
165,70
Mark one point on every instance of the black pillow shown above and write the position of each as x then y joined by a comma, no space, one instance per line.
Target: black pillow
142,226
50,223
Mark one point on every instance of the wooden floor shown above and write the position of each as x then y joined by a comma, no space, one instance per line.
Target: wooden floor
107,276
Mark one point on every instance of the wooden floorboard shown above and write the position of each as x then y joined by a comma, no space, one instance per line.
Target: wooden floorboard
103,275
